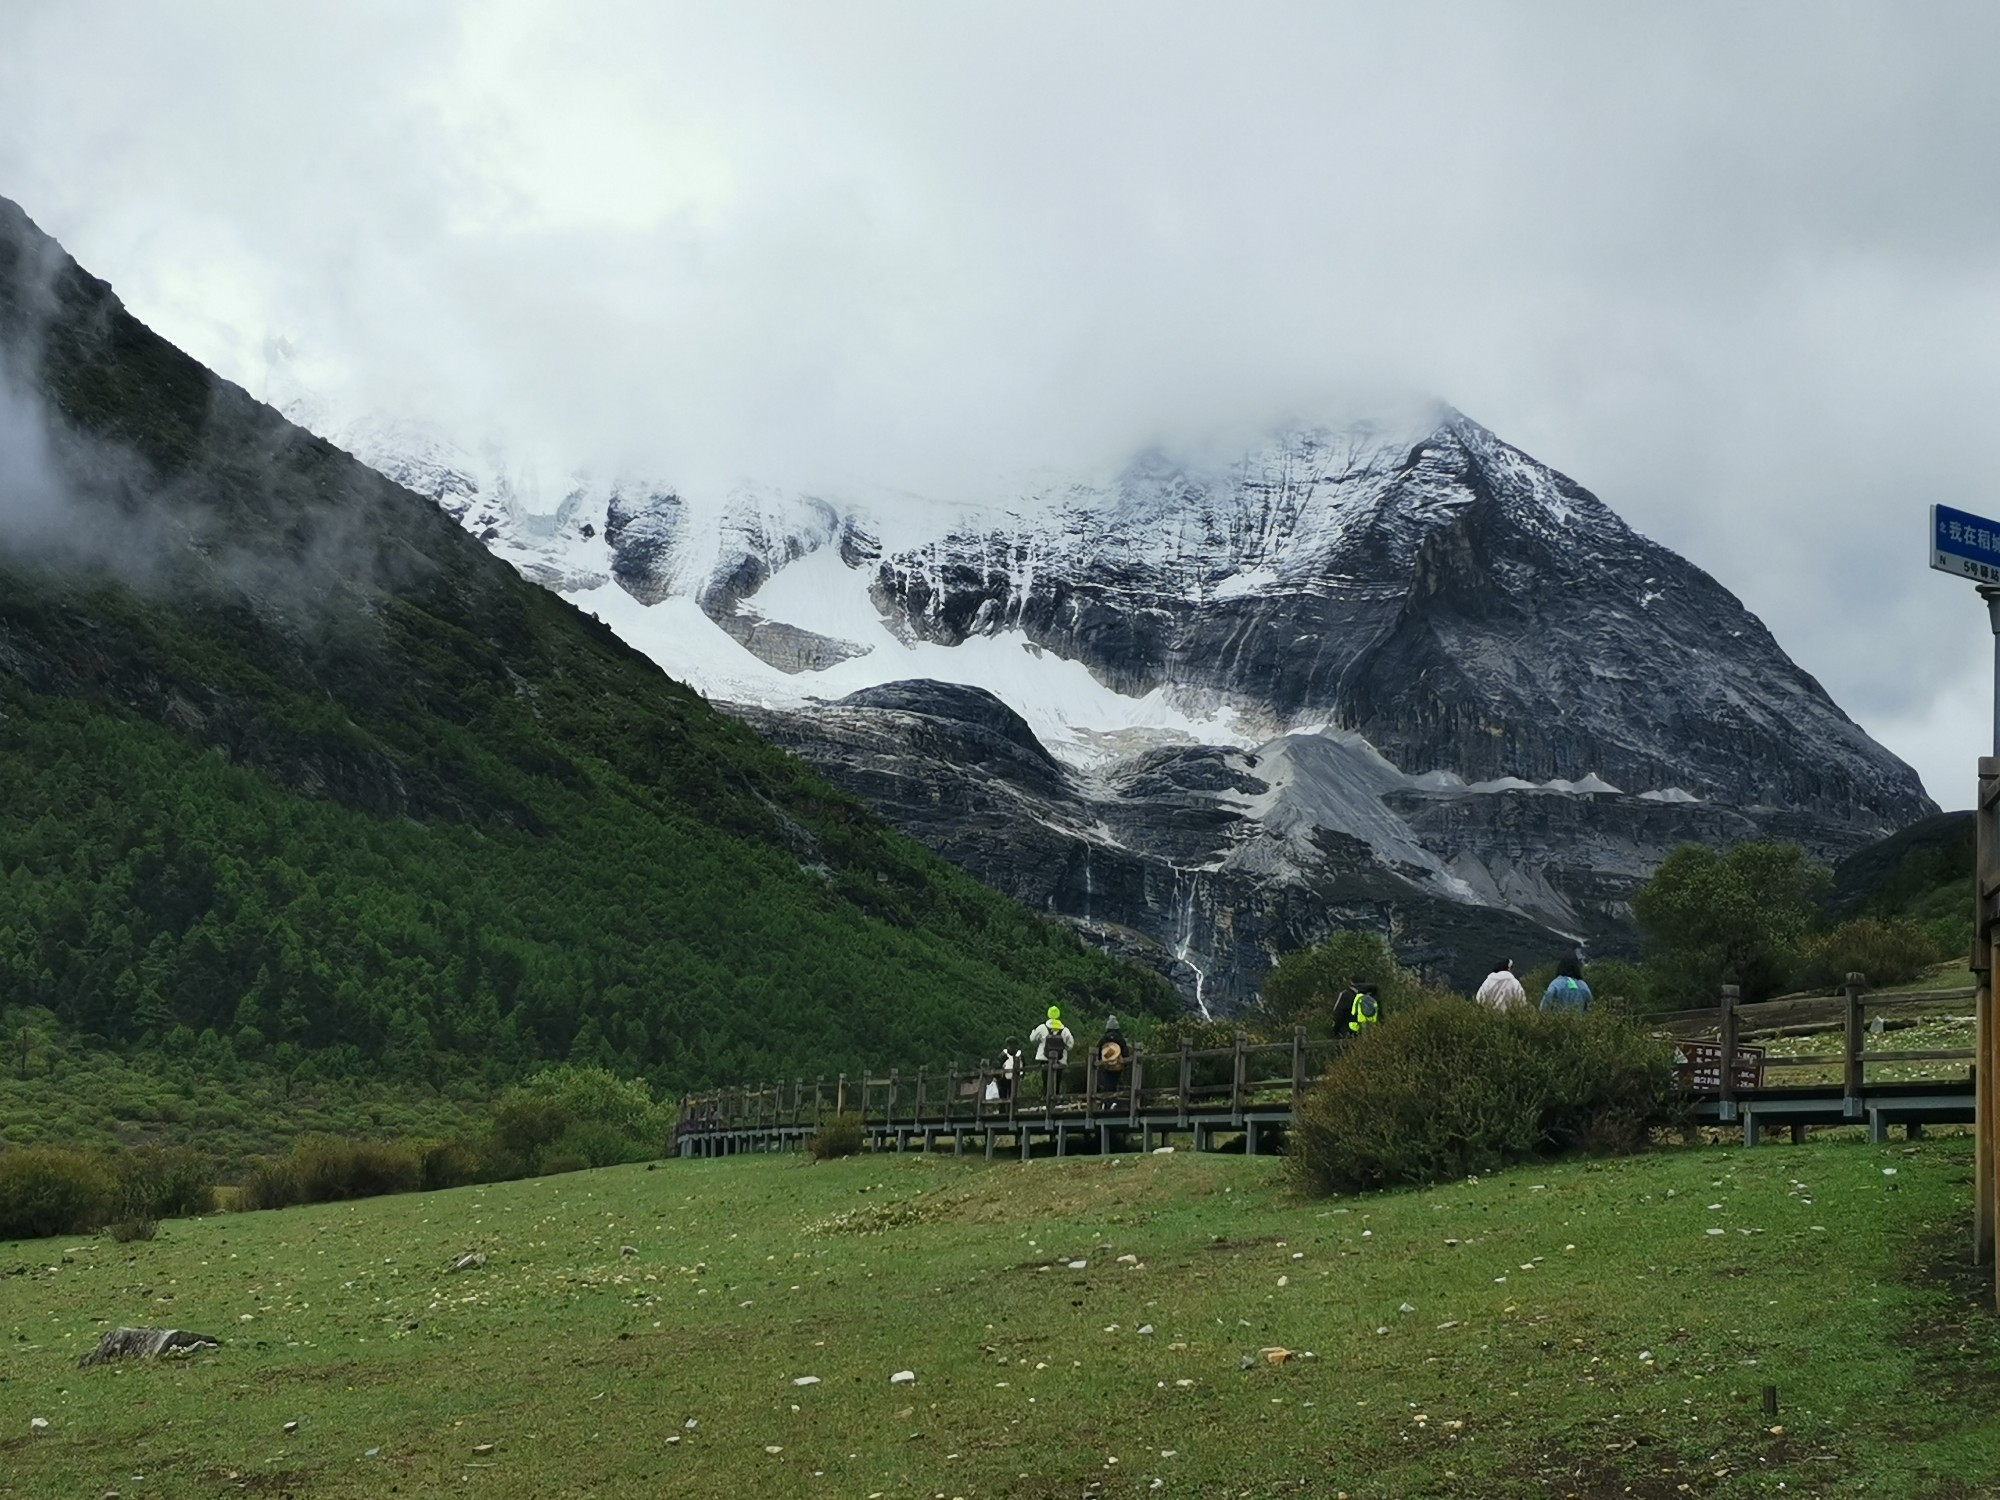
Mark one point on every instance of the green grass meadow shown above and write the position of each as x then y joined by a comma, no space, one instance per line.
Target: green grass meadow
1597,1328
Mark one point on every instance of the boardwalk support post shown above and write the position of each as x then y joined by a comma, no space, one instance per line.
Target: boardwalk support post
1727,1113
1852,1072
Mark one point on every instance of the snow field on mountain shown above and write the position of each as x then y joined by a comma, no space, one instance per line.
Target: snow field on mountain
1075,716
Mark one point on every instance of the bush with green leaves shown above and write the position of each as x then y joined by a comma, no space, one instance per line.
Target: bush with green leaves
165,1182
1305,986
46,1190
327,1169
1738,918
570,1117
840,1136
1888,950
1448,1088
450,1163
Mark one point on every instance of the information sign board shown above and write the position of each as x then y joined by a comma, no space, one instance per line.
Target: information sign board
1700,1065
1965,544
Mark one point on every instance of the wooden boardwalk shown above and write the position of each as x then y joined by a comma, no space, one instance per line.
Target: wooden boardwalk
1857,1098
1246,1097
1239,1098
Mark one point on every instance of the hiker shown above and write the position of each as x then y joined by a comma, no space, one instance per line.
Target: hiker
1010,1069
1567,991
1355,1009
1502,990
1113,1052
1052,1039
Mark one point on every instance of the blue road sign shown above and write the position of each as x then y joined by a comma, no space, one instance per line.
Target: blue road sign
1965,544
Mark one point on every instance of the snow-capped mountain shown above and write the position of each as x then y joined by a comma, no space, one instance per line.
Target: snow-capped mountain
1395,673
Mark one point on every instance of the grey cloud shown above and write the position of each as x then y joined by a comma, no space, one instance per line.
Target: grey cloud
1731,267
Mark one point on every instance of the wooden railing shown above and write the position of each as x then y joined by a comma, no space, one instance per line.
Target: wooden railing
1187,1081
1735,1024
1190,1082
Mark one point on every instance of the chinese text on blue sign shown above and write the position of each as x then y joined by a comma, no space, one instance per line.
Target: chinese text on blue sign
1965,544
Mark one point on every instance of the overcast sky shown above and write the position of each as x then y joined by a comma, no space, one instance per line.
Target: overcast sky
1734,267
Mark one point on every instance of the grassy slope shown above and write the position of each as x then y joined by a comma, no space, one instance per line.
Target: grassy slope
329,777
581,1365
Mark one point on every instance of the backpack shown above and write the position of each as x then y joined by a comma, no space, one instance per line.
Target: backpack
1364,1010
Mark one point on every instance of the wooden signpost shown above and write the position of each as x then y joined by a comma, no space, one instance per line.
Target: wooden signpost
1700,1065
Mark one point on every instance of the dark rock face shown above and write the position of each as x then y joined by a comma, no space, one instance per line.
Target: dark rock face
1212,863
1483,707
1463,607
642,532
1165,862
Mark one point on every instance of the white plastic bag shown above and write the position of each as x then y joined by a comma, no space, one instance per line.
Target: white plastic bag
992,1090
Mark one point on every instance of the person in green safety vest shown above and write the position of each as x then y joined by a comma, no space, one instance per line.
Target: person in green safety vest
1355,1010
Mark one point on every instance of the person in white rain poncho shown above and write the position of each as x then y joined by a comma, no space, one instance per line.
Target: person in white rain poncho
1502,990
1052,1039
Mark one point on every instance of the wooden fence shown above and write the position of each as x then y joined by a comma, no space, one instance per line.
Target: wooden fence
1244,1087
1857,1097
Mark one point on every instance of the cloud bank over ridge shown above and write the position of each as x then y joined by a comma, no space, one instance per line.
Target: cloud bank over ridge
1731,268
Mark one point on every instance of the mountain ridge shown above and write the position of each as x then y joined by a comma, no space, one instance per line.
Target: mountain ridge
1413,638
311,775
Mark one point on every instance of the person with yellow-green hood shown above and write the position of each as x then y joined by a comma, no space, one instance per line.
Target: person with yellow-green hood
1052,1039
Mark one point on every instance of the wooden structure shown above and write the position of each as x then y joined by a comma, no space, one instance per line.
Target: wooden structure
1244,1097
1986,1069
1857,1098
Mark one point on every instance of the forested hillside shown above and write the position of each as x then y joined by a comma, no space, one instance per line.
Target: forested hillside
289,758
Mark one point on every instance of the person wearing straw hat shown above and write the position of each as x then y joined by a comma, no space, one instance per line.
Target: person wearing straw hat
1112,1054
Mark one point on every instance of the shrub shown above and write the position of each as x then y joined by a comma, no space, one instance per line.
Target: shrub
1302,989
127,1230
1888,950
525,1126
449,1163
1446,1089
1739,918
327,1169
603,1098
592,1143
840,1136
1622,985
45,1190
165,1182
572,1117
